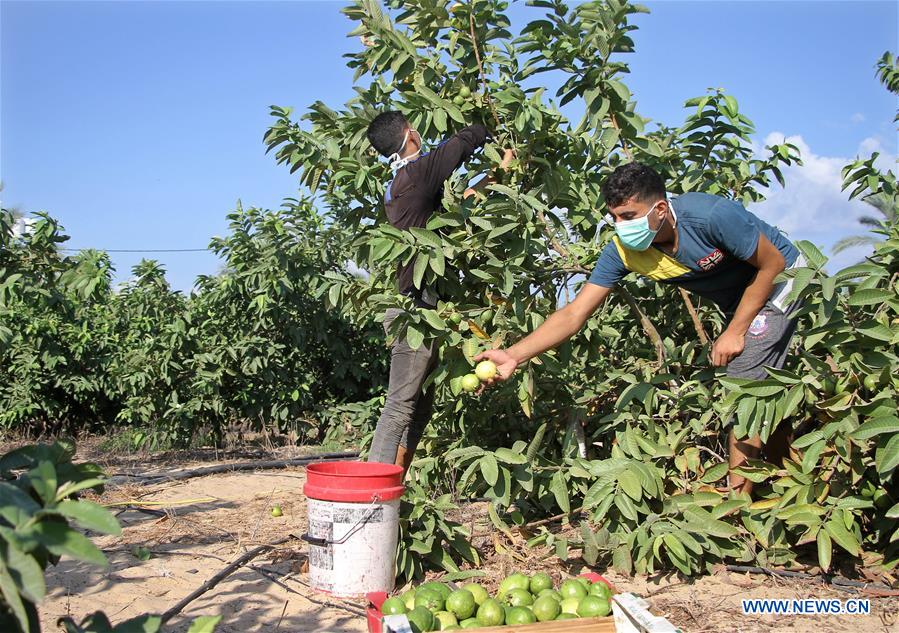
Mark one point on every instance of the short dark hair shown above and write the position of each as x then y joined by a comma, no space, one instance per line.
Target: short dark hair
634,180
386,132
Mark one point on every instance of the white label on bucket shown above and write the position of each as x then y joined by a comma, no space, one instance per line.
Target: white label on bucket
361,556
354,515
322,557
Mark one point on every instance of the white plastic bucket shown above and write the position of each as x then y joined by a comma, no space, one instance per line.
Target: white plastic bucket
353,515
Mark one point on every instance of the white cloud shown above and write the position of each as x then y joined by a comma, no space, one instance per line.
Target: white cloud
812,205
354,270
858,117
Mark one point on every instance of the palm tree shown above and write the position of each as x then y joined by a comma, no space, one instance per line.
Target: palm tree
886,206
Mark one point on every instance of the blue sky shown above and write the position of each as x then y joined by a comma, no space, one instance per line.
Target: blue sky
140,124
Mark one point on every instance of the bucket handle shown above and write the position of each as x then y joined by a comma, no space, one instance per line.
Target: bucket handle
319,541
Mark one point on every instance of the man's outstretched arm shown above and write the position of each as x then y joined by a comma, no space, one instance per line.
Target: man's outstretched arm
560,326
434,167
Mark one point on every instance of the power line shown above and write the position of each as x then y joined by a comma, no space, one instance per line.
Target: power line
139,250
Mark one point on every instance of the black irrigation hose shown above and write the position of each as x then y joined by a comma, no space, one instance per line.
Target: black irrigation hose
148,479
833,580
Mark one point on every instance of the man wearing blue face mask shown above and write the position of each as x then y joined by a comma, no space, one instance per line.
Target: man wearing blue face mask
709,245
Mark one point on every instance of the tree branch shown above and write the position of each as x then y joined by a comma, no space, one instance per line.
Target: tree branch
224,573
624,147
477,55
697,324
648,327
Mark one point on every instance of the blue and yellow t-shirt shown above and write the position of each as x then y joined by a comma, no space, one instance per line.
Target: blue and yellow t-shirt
715,237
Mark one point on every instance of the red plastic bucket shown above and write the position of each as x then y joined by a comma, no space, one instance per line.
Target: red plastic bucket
354,482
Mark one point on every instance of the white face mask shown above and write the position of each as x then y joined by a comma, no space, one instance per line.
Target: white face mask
397,161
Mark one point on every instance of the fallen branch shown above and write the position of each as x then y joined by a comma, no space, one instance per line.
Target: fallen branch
224,573
874,588
272,575
149,479
173,502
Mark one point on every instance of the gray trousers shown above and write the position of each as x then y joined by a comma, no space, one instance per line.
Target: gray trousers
766,343
407,409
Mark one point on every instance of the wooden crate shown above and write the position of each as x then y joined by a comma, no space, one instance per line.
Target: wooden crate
579,625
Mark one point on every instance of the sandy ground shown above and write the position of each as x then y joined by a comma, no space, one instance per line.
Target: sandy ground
193,542
210,521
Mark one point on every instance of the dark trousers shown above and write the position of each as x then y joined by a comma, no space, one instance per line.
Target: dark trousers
407,409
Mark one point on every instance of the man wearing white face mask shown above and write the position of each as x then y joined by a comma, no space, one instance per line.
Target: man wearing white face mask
709,245
411,198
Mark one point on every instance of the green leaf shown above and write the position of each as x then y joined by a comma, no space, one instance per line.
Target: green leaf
71,487
414,337
428,237
153,623
842,536
870,296
15,505
715,528
560,491
793,400
731,105
510,457
887,458
25,570
763,388
825,549
876,330
90,516
621,559
12,598
418,270
714,473
489,468
630,483
43,480
812,254
674,546
625,506
727,507
536,442
498,523
204,624
433,319
872,428
591,550
62,540
438,263
810,459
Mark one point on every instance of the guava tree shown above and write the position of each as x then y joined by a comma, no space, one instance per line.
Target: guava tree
634,386
254,347
504,261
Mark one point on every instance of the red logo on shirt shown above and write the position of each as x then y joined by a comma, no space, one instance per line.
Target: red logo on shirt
711,260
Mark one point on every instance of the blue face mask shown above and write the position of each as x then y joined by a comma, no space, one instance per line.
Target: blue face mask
636,234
